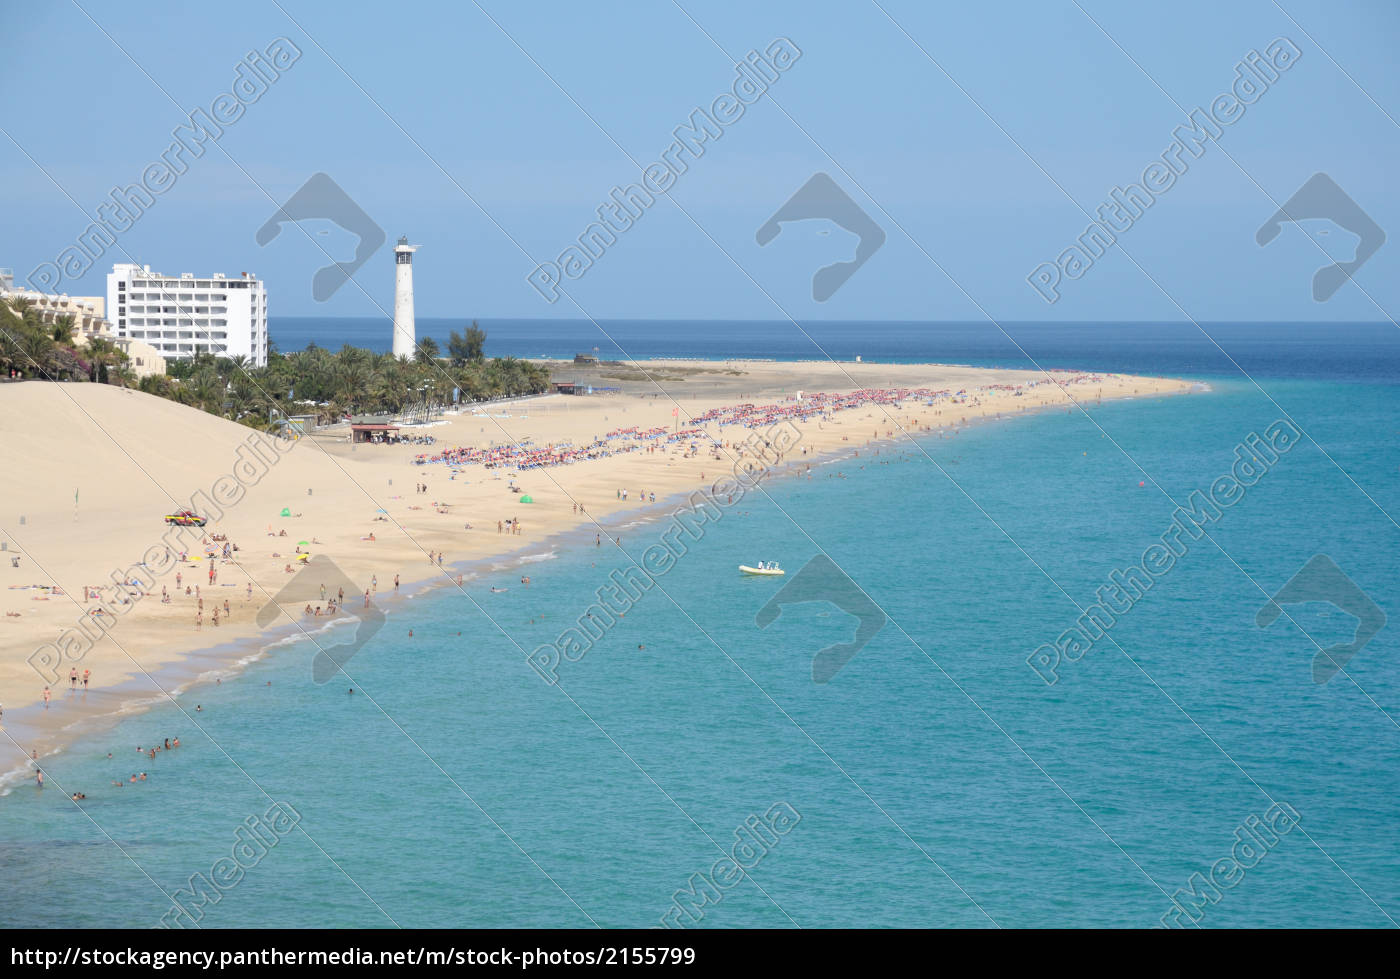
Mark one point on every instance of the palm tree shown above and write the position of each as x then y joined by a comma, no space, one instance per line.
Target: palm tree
427,351
100,354
20,306
35,348
62,331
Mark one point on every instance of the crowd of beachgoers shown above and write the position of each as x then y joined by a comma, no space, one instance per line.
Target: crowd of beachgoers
526,455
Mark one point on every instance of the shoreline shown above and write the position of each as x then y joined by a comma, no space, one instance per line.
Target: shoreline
194,665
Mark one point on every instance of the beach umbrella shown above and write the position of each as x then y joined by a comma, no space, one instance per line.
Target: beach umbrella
286,512
527,499
303,543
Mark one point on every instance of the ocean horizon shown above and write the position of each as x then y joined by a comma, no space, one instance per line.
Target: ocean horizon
1354,350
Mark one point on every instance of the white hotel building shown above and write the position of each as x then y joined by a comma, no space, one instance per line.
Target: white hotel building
183,315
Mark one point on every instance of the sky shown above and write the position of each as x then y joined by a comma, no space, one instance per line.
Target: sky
979,139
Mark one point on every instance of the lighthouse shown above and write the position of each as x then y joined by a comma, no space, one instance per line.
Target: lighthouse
405,334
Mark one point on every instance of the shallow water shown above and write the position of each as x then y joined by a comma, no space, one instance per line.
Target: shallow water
939,780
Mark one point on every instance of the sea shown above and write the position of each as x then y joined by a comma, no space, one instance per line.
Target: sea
1185,767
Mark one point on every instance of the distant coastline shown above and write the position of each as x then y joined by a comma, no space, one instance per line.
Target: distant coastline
1143,348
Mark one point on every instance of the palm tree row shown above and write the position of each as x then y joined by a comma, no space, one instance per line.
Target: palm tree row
331,385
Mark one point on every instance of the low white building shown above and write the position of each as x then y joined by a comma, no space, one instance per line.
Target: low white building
183,315
88,324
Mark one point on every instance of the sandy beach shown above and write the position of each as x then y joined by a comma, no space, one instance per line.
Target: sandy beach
93,470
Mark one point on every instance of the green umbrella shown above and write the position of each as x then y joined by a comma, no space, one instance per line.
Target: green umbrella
527,499
303,543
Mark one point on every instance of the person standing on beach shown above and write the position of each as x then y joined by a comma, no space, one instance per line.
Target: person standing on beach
87,674
47,695
73,678
396,584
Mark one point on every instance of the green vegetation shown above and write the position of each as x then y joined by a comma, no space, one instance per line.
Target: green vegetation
462,350
330,385
48,350
315,381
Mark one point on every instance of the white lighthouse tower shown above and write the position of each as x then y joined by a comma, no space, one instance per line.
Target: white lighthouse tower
405,334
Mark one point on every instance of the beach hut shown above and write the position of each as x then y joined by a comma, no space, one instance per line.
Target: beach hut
369,431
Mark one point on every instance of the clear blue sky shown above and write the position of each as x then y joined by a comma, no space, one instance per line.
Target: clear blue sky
863,103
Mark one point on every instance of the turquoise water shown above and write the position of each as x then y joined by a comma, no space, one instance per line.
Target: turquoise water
939,780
